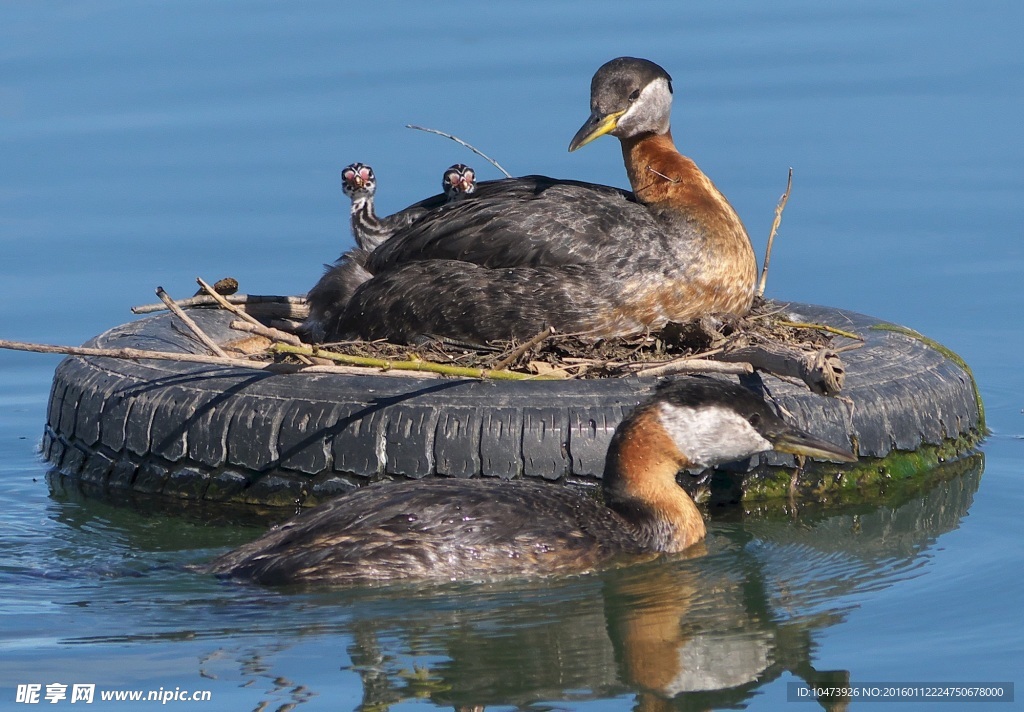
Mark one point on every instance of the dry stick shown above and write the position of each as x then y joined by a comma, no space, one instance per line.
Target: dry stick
771,236
207,301
409,365
458,140
522,349
269,332
360,371
199,333
849,347
822,370
224,303
695,365
673,181
819,327
634,366
131,354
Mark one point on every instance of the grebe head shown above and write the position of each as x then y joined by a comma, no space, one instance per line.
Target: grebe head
358,181
695,422
458,180
701,422
628,97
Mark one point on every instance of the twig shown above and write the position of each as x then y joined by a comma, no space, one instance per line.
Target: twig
822,370
225,304
207,301
458,140
673,181
194,327
361,371
289,325
771,236
522,349
256,325
634,366
819,327
267,331
408,365
131,354
695,365
778,309
849,347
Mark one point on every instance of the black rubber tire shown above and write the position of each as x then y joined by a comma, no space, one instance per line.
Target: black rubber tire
229,434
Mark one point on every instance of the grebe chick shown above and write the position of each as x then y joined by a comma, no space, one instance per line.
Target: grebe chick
359,183
458,180
342,278
523,254
485,529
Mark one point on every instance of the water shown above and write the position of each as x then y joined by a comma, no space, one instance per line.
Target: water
145,144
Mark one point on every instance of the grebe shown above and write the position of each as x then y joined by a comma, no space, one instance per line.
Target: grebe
341,279
359,183
459,180
484,529
523,254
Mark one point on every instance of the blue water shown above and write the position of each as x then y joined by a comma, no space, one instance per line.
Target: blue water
145,144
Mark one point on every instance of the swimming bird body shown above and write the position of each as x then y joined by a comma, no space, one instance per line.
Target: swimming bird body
485,529
526,253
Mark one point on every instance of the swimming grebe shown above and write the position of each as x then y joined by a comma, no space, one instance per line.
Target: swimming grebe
523,254
483,529
359,183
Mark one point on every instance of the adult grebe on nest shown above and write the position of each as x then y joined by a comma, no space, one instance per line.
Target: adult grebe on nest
523,254
485,529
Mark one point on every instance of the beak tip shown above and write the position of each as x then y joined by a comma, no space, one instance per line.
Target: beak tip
597,125
801,443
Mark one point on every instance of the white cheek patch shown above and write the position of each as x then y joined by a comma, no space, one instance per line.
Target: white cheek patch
650,111
711,435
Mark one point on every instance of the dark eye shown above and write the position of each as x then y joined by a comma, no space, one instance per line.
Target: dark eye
755,419
634,96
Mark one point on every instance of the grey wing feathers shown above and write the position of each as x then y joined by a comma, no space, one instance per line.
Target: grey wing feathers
550,223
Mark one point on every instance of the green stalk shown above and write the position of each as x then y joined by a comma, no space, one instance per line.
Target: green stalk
408,365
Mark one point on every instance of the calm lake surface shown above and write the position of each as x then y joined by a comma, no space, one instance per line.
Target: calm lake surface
145,144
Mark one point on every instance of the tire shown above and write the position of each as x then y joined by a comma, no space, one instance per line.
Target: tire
224,434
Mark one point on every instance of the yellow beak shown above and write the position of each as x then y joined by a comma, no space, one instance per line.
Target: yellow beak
797,442
596,126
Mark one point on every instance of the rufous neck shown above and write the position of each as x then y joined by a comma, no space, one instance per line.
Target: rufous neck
654,165
640,485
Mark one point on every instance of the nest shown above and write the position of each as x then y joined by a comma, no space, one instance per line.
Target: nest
764,339
674,348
